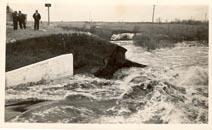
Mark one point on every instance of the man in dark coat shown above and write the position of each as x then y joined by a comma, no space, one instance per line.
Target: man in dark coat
23,20
37,18
15,20
20,19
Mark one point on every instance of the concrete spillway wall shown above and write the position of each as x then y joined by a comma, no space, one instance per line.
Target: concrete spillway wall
52,68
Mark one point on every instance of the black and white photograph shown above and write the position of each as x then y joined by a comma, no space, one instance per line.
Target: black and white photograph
106,62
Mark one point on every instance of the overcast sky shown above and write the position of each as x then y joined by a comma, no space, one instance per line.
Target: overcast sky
113,10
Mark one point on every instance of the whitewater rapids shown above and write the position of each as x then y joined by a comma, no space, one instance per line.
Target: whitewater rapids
172,89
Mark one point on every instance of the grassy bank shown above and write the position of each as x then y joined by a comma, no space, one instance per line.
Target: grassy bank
148,35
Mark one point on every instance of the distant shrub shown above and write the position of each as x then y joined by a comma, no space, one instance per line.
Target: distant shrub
118,31
93,29
169,34
103,33
136,29
152,41
189,22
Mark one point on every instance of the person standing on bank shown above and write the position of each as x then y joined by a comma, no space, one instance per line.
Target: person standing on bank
37,18
15,20
20,19
23,20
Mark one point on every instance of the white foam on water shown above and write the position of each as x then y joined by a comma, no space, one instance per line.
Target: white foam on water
195,75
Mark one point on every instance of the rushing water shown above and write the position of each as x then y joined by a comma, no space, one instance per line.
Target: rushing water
172,89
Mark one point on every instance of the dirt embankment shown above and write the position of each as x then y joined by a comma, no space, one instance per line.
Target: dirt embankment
91,53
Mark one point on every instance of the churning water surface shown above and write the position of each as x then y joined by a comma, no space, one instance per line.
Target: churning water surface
172,89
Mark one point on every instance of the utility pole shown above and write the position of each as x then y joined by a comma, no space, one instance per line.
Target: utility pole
48,5
153,13
206,17
90,17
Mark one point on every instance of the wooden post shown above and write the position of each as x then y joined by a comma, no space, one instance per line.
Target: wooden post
48,17
48,5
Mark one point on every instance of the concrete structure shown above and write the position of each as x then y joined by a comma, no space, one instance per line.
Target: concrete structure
52,68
